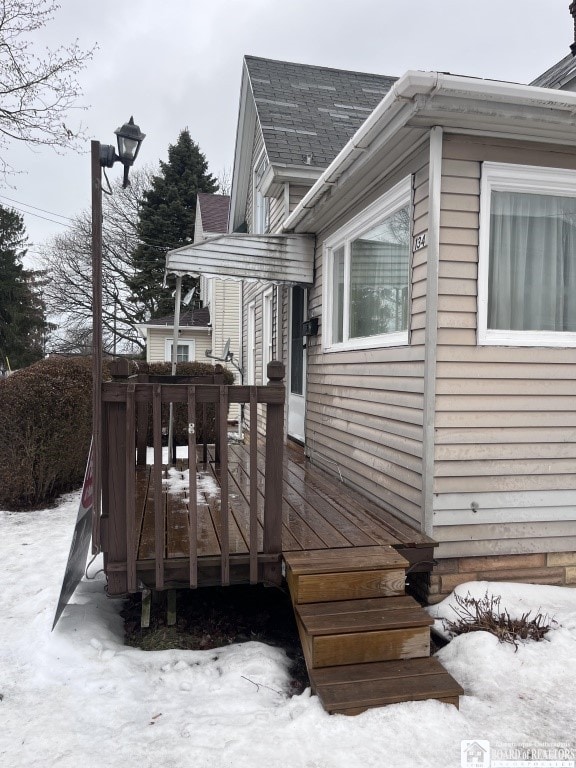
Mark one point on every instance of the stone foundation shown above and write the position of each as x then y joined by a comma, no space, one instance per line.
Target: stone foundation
557,568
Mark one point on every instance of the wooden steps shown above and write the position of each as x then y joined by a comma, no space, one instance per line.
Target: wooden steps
357,631
366,643
354,689
321,575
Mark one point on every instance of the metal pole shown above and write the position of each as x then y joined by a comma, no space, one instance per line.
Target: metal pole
96,342
177,299
114,327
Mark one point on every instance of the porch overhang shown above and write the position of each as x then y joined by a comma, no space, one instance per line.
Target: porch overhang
284,259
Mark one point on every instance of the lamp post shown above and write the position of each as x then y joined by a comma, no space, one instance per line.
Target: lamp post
129,138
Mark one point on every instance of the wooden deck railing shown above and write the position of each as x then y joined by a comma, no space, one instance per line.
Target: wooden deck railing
125,424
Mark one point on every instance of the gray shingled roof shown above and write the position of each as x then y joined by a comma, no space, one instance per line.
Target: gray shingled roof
214,210
192,318
557,75
311,111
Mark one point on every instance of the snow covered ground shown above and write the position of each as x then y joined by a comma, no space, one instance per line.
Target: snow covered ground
77,698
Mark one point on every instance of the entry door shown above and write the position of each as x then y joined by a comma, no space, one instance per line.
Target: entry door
297,382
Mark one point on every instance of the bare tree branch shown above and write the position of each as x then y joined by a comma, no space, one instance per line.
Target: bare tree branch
67,260
37,91
224,179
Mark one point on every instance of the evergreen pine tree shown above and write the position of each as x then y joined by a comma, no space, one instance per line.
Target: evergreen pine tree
22,322
166,221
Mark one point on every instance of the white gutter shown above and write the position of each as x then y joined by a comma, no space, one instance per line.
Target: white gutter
396,101
407,96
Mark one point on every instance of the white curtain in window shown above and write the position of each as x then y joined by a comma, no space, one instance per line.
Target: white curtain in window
532,275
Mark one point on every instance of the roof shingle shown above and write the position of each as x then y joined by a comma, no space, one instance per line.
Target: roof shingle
308,113
214,211
192,318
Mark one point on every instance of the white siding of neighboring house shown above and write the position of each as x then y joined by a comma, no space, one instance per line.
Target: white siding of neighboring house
226,324
223,298
156,344
198,228
505,453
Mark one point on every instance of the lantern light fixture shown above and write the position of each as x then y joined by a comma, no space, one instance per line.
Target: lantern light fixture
129,139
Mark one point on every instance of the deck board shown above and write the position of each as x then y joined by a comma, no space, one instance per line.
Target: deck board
310,528
297,533
318,511
383,524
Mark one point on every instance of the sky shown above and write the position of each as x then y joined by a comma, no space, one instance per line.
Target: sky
178,64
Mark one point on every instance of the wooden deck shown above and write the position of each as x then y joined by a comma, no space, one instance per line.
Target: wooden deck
259,513
318,512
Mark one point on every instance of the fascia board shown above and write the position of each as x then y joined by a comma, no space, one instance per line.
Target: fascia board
293,174
242,152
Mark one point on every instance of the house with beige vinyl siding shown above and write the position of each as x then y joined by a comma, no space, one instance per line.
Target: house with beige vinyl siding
441,381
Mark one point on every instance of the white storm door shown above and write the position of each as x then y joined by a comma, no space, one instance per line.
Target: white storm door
297,364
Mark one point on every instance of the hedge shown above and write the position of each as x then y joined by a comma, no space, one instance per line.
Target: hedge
46,426
45,430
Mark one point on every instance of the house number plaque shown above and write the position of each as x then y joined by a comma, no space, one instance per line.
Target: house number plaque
420,241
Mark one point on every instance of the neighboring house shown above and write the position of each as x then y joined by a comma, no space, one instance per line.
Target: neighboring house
193,340
427,226
222,297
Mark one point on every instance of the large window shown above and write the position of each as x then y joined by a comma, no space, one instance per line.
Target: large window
527,259
368,276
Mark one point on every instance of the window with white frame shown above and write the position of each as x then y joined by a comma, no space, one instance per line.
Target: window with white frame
367,275
527,256
251,344
261,203
267,331
185,351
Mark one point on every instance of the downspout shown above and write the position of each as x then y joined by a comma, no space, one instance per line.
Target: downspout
431,332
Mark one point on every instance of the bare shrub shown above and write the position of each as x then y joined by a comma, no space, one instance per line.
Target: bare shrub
485,615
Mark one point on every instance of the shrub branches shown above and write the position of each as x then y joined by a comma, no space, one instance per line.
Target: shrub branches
485,615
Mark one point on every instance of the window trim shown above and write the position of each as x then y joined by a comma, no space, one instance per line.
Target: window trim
507,177
190,343
399,196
